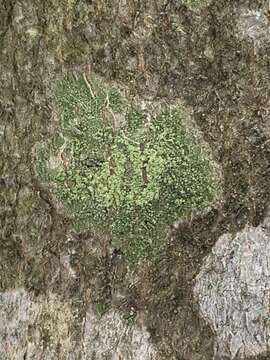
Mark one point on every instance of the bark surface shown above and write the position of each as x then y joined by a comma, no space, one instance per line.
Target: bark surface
215,61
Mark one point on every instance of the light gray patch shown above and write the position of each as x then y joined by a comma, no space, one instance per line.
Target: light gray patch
37,328
253,24
110,337
16,310
233,292
42,328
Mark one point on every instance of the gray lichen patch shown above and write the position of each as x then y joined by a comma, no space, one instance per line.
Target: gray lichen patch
233,293
254,25
111,337
35,328
42,328
16,310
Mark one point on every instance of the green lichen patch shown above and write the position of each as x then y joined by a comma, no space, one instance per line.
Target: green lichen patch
120,172
102,308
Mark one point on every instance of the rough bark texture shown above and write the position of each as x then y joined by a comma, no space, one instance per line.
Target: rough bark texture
233,293
41,328
215,60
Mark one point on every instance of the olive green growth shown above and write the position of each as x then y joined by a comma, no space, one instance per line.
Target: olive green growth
120,171
102,308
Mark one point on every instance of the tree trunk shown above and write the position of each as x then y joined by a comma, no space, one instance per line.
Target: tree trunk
61,296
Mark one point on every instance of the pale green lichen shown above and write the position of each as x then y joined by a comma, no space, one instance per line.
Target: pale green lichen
128,179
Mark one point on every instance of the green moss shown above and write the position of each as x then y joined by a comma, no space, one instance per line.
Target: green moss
130,316
102,308
119,174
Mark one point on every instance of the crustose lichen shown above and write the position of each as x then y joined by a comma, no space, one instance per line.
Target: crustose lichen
119,174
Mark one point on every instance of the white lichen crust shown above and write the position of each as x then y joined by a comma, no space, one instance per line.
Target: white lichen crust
233,292
43,328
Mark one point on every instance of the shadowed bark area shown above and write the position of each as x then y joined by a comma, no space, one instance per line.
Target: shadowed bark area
159,50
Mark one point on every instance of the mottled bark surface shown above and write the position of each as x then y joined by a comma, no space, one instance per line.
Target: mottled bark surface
215,60
232,289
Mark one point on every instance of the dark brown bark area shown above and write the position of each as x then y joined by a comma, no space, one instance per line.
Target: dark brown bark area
139,47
